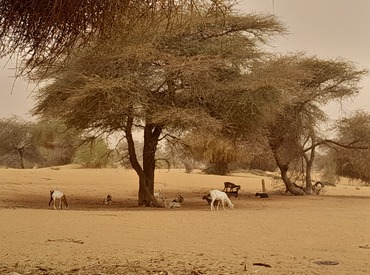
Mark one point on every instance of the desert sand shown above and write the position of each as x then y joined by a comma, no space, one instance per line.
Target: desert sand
318,234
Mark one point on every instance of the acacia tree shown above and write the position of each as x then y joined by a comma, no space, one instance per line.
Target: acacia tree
17,141
351,149
56,143
178,75
308,84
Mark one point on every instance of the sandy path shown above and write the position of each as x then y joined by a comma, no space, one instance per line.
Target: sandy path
288,233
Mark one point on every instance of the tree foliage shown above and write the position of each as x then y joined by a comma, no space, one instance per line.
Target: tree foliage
45,31
56,143
26,144
17,147
353,156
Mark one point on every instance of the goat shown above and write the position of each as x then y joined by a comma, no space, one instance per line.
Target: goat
262,195
108,200
317,187
220,196
56,194
171,204
158,195
209,199
229,187
179,199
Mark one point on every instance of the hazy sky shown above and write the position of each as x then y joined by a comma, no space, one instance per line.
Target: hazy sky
328,29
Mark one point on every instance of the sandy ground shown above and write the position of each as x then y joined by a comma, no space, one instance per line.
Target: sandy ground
290,235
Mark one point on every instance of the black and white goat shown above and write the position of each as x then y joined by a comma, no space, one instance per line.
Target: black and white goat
108,200
231,189
58,195
208,198
179,199
262,195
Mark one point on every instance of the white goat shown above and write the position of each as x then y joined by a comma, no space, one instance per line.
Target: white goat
158,195
56,194
171,204
220,196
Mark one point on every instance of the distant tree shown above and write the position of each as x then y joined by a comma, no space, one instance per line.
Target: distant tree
306,85
94,154
179,75
56,143
17,144
351,152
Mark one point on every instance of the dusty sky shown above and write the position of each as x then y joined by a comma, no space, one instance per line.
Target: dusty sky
328,29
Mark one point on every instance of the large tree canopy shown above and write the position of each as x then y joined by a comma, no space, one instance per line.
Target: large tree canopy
164,82
45,31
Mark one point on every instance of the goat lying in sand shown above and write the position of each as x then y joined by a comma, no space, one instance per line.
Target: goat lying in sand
171,204
55,195
108,200
262,195
220,196
179,199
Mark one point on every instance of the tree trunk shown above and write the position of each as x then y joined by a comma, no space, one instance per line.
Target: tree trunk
20,153
146,177
290,186
308,187
309,163
151,136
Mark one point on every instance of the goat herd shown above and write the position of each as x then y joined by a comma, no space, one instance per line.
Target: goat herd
213,196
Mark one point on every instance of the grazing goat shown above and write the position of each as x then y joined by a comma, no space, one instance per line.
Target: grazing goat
171,204
220,196
179,199
262,195
108,200
56,194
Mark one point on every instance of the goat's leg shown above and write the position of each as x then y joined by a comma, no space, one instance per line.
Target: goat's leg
54,203
212,206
